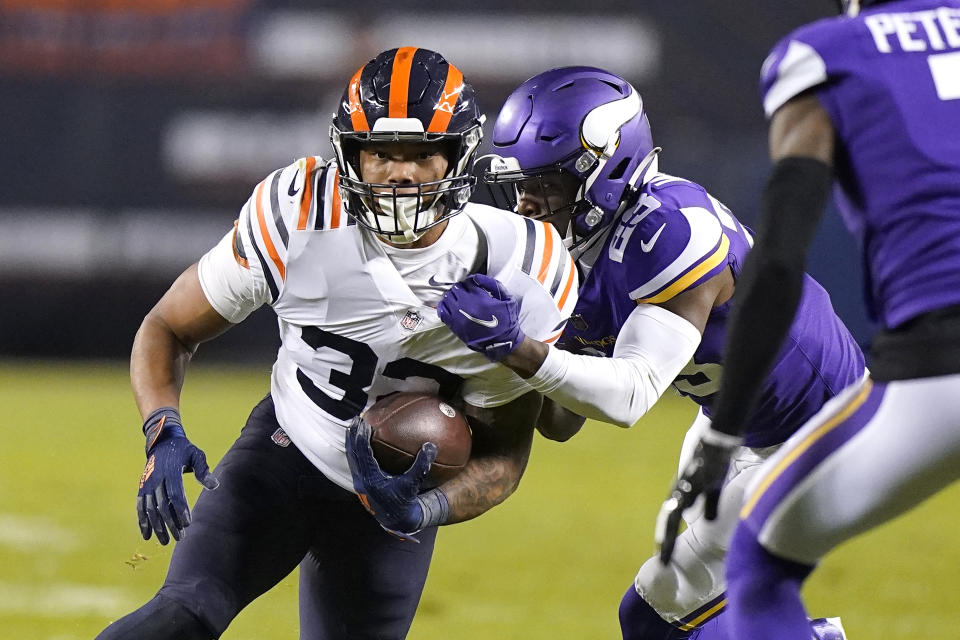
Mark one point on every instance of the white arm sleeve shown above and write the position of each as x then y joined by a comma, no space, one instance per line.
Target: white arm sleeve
652,347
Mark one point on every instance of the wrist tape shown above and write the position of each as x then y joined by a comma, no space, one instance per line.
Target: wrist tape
435,507
162,419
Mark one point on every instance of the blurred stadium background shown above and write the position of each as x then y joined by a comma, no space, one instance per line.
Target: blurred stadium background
131,134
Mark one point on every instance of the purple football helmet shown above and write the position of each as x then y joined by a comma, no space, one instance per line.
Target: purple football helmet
582,121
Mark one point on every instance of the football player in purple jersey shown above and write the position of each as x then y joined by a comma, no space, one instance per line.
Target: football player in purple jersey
869,101
660,260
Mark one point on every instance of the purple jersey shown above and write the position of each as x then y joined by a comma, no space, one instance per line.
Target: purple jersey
890,81
675,238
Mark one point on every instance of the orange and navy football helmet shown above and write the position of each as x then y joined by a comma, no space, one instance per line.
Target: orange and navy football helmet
406,95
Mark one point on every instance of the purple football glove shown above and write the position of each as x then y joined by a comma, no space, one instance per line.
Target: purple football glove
482,313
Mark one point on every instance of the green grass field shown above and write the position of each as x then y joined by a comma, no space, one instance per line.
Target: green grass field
552,562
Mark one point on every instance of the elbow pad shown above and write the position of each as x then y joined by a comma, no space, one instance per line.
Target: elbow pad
653,346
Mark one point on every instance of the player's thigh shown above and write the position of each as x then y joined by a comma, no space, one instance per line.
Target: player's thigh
359,581
250,532
694,583
874,452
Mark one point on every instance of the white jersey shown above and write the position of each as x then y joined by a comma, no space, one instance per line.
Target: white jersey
358,317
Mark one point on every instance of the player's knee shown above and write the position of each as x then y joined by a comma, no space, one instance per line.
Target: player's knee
753,573
160,619
658,586
640,621
686,584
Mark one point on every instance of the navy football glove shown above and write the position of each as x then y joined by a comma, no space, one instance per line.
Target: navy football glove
161,502
393,500
704,474
483,315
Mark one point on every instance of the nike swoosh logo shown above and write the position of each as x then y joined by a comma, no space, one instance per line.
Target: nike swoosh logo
492,322
647,246
291,190
434,283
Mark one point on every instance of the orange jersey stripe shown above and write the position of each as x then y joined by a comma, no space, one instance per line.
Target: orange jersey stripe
271,249
400,81
554,337
357,116
307,198
547,254
335,205
451,94
566,289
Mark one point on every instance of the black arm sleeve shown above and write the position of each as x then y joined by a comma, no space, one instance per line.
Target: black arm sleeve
769,288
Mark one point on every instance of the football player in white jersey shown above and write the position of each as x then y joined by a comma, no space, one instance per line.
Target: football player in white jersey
354,256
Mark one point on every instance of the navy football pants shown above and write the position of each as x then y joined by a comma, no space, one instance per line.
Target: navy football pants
273,511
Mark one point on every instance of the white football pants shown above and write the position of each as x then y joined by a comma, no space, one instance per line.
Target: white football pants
873,452
690,591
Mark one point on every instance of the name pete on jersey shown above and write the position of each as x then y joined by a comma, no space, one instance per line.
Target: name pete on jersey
357,317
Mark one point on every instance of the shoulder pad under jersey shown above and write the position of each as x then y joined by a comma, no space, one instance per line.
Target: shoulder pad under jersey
672,240
806,59
518,247
285,201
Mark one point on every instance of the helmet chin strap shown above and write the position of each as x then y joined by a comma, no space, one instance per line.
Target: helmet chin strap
647,167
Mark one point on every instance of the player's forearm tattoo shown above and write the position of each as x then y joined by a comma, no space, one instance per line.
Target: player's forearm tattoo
484,483
502,438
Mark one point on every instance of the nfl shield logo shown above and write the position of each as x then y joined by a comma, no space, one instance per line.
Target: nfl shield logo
411,321
280,438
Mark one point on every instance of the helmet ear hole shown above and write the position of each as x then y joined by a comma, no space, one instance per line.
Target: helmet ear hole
617,172
451,150
350,149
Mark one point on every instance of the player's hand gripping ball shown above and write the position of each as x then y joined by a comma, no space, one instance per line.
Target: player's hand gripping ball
409,427
401,423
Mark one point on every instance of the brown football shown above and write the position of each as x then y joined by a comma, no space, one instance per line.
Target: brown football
400,424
